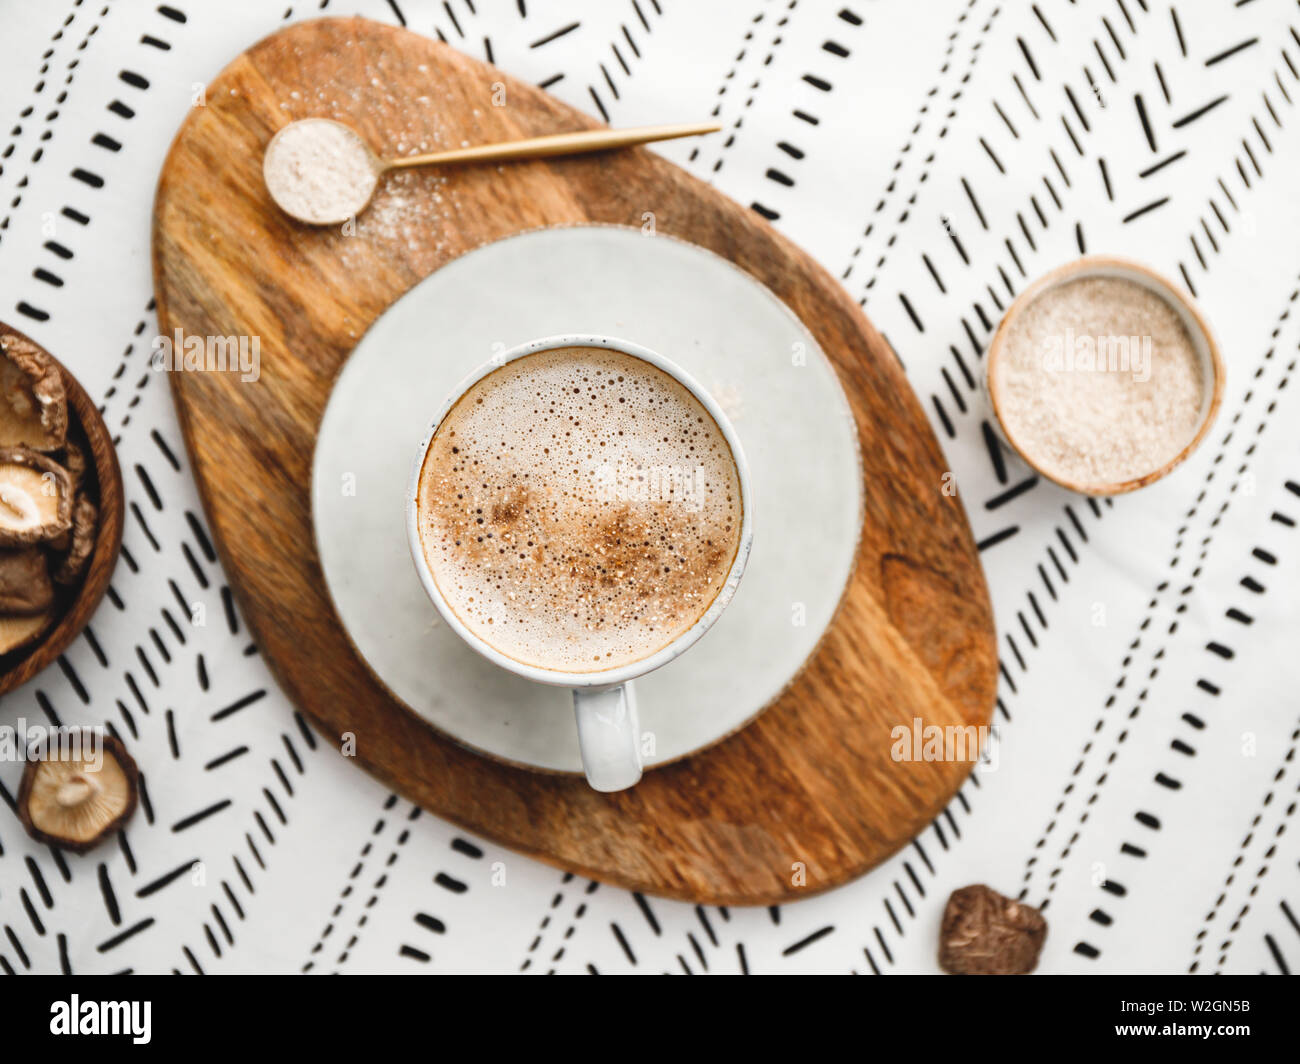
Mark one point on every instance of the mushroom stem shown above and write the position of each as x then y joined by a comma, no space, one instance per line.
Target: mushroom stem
78,789
17,502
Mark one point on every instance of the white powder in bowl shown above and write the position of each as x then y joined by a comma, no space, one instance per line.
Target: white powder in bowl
1099,381
319,171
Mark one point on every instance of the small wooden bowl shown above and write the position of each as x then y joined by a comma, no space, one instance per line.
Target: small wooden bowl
1197,328
22,664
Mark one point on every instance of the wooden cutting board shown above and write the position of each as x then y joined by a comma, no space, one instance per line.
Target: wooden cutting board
804,799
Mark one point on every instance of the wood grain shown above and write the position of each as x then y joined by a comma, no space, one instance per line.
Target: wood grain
812,782
106,490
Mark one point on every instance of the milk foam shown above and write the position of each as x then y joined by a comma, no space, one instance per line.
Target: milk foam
579,509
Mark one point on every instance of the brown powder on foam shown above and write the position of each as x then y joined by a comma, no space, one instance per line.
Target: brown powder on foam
528,548
1100,425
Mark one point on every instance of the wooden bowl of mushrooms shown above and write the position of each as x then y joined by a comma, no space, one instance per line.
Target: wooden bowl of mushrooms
60,508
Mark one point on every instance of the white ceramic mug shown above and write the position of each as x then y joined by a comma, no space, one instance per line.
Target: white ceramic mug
604,703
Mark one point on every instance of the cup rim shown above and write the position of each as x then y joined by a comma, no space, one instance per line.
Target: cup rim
631,670
1090,265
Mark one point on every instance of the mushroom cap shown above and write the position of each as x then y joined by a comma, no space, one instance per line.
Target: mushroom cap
17,632
73,803
35,497
81,544
986,933
33,401
25,587
75,462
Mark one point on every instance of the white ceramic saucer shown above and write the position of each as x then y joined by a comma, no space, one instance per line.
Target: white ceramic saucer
694,308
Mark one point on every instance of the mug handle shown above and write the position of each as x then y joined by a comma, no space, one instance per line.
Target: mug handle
609,736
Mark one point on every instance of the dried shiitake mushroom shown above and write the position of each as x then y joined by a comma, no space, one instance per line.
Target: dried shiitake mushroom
35,497
33,403
74,461
17,632
25,586
987,933
85,518
71,798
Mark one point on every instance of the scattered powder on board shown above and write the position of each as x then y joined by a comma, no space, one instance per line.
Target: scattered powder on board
319,171
1100,381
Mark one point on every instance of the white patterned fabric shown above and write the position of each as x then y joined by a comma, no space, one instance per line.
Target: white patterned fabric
934,156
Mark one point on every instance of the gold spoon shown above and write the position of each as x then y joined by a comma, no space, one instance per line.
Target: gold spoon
327,174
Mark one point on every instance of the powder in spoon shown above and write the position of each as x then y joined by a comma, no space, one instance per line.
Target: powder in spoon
1099,381
319,171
